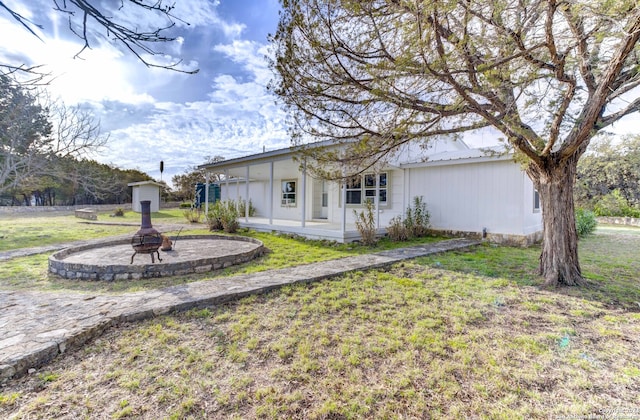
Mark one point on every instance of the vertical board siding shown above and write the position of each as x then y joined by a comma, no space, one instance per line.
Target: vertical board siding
471,197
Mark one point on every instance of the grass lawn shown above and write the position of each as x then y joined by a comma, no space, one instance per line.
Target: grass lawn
31,273
38,229
459,335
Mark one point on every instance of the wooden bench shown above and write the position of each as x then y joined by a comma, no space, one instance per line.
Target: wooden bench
88,214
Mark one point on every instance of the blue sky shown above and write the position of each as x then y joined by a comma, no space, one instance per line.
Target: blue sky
154,114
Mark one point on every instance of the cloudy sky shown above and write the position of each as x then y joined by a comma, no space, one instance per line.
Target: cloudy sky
155,114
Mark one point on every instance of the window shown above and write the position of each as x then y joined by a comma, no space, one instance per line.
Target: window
288,193
363,187
536,201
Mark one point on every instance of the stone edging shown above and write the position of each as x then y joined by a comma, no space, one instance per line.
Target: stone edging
58,267
627,221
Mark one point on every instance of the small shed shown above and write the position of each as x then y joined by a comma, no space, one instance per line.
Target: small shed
145,190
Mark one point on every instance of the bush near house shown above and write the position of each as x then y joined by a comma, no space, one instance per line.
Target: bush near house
415,223
366,224
223,215
242,208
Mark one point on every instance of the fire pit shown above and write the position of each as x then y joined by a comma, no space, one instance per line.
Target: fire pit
109,261
147,240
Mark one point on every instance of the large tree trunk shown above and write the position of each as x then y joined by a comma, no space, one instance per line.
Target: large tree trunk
559,263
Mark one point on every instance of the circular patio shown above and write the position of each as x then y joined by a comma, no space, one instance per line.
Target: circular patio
109,261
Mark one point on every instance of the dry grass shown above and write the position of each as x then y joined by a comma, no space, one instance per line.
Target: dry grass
412,342
459,335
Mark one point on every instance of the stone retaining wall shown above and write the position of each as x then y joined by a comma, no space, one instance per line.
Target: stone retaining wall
135,272
627,221
496,238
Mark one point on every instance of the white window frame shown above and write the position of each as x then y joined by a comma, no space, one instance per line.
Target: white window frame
536,201
288,198
367,189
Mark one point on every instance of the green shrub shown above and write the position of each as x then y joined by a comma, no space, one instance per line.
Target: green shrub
585,222
186,205
415,223
214,216
366,224
396,230
242,208
615,204
229,216
416,218
223,215
193,215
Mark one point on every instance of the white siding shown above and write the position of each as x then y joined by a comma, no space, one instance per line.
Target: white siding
145,193
470,197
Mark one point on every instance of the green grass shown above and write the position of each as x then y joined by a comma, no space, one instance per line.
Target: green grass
26,231
31,273
464,334
609,261
409,342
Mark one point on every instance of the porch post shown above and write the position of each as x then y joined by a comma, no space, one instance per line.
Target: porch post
226,181
237,191
246,198
343,222
377,175
407,186
206,193
303,193
271,192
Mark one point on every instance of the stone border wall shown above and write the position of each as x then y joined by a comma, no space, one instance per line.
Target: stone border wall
626,221
496,238
58,267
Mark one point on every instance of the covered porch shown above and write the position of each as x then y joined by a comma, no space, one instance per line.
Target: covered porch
312,229
285,197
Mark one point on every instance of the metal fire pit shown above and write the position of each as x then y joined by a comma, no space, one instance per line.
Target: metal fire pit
147,240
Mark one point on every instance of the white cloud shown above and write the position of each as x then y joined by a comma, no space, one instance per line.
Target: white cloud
231,113
251,55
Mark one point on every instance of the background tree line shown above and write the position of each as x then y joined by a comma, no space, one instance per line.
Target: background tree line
608,178
46,149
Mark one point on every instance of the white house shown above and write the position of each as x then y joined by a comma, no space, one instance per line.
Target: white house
145,190
466,191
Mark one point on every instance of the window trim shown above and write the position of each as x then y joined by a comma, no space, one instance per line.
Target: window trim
284,201
536,201
363,189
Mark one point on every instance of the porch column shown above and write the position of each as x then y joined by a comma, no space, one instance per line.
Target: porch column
237,191
206,193
303,193
246,197
226,181
377,175
343,222
271,192
406,190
